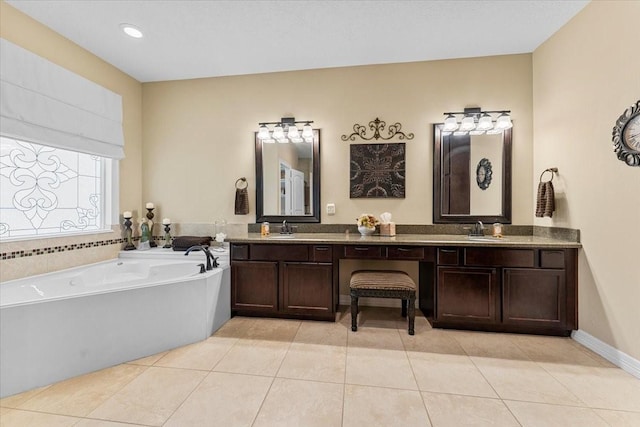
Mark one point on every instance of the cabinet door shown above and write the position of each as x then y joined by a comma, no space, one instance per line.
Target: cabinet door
254,286
467,295
534,297
307,288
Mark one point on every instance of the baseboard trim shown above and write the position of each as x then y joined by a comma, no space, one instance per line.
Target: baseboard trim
612,354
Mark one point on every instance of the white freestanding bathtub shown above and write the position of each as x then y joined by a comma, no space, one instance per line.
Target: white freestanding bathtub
59,325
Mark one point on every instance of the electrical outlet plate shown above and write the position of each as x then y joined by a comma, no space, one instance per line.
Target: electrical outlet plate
331,209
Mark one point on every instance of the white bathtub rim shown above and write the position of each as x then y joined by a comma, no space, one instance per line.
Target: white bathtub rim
87,291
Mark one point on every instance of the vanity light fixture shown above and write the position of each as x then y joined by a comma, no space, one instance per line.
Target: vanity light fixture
131,31
477,122
285,131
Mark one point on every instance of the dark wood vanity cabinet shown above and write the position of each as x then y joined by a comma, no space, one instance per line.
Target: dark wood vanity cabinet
306,288
254,286
468,295
294,280
530,290
503,289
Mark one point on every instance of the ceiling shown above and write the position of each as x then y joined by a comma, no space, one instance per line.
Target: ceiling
193,39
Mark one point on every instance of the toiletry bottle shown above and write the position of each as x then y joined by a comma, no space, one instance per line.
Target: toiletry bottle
264,229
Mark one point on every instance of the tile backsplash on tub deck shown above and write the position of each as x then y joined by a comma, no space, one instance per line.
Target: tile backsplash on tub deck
25,258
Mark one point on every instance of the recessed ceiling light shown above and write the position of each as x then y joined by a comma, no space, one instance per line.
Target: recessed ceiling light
131,30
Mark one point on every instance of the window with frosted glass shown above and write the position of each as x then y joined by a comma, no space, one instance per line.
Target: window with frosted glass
48,191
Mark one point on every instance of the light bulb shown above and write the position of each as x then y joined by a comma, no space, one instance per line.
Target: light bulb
293,133
504,121
450,124
278,133
263,132
307,131
485,122
467,124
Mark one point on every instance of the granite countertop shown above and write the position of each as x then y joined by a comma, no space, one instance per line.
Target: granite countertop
408,240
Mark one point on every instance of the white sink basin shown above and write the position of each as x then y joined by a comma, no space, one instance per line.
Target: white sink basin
282,236
486,239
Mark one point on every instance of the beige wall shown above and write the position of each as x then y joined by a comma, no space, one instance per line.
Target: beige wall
198,134
584,77
31,35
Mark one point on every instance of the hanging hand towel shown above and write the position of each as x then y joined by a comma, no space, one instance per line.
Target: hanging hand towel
545,203
242,197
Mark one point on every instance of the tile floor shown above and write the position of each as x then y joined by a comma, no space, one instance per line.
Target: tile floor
270,372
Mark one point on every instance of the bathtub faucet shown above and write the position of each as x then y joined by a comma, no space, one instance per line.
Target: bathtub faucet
205,249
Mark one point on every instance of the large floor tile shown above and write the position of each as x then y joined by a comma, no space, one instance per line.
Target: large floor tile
432,341
314,362
301,403
149,360
619,418
382,368
20,398
151,398
450,410
545,415
19,418
203,355
524,380
273,329
554,350
375,338
253,357
80,395
236,327
325,333
373,406
449,373
86,422
222,400
598,387
488,344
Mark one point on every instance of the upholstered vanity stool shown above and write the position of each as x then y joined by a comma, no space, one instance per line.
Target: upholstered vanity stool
383,284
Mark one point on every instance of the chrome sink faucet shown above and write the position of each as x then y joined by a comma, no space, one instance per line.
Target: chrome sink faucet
286,228
477,229
211,261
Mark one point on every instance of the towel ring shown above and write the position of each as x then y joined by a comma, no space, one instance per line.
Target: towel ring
550,170
243,179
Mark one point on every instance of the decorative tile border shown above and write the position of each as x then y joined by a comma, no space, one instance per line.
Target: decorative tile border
65,248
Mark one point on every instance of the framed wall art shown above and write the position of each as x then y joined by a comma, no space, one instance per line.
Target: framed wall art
377,171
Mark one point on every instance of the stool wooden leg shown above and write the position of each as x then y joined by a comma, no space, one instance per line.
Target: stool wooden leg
354,313
404,307
412,314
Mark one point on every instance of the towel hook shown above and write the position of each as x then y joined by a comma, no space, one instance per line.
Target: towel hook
243,179
551,170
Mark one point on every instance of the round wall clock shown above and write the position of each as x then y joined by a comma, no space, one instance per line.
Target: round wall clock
626,136
483,174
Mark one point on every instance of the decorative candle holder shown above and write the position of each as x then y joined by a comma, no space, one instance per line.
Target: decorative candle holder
129,246
167,236
152,243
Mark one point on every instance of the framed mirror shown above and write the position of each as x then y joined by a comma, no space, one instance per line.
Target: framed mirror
471,177
288,180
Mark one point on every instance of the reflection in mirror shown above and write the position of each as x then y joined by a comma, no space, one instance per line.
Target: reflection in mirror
471,177
288,181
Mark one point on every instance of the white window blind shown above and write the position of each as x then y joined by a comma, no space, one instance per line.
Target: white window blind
43,103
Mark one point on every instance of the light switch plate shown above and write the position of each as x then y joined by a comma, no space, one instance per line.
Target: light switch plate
331,208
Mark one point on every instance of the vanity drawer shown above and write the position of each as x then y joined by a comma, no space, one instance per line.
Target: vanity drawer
487,257
551,258
399,252
362,251
447,256
278,252
239,251
321,253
